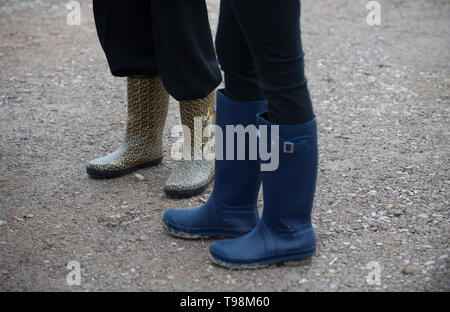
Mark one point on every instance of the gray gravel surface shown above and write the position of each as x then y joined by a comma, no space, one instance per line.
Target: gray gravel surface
381,94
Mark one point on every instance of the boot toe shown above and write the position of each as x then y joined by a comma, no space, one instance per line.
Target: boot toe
229,254
101,164
169,217
106,167
247,251
185,223
218,250
112,161
189,178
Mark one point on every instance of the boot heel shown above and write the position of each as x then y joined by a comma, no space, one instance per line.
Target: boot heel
150,163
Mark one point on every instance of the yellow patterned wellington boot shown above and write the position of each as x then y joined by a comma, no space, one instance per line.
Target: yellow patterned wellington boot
191,177
148,102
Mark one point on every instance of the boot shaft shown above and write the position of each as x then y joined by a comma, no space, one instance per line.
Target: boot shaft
148,102
233,176
289,190
197,115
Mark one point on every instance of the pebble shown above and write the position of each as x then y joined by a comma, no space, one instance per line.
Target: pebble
143,238
333,261
139,177
395,212
111,220
2,222
411,269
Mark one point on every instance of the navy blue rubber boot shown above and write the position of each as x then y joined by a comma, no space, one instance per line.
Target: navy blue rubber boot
232,210
284,233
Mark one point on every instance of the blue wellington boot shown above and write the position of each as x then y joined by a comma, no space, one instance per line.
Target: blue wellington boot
284,233
231,211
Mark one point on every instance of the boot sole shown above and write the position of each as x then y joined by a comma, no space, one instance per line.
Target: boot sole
185,235
177,194
292,260
111,174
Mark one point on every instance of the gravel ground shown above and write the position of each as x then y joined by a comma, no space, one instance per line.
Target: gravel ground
381,95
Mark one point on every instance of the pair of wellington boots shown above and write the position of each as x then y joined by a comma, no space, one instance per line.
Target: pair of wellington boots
284,233
148,103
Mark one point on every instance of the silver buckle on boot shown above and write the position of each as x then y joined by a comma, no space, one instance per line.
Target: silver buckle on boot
285,147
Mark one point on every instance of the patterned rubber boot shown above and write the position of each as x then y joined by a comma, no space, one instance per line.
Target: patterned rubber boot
192,176
148,102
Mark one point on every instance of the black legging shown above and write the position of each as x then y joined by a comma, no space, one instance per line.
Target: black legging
260,51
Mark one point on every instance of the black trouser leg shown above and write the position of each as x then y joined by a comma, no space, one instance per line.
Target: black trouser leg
125,32
264,37
171,38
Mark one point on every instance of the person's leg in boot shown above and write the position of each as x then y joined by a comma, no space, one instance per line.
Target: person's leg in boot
284,232
147,110
147,98
131,36
187,61
192,176
231,210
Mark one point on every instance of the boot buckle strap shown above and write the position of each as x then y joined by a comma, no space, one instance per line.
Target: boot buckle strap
288,147
295,145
